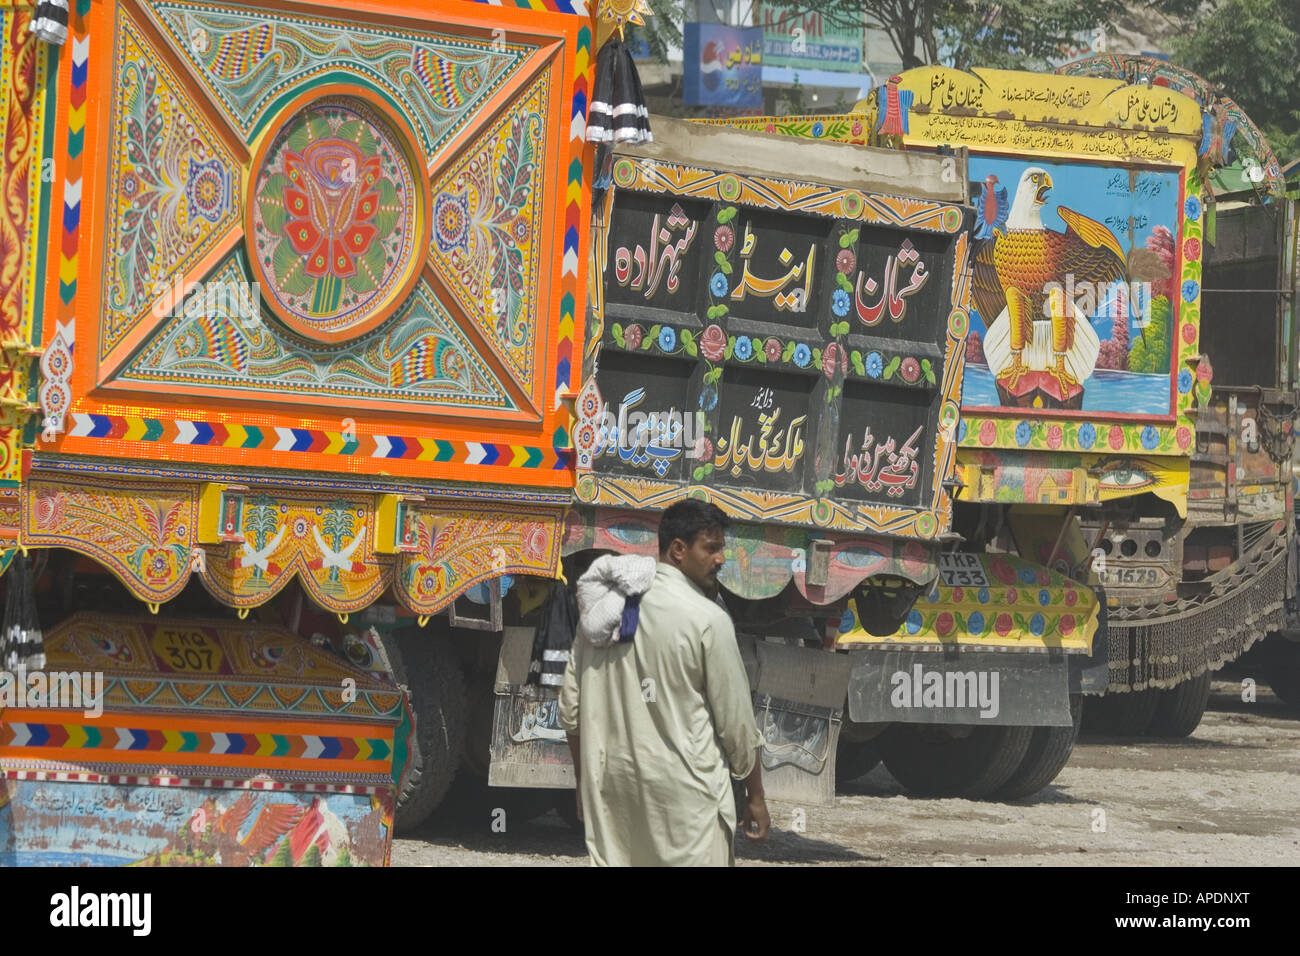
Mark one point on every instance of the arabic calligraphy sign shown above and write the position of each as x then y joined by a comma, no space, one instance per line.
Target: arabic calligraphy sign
794,353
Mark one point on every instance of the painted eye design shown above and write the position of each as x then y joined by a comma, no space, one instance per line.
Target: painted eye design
1126,476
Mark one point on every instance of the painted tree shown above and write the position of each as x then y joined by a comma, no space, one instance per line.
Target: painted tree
975,349
1114,351
1150,352
311,857
283,855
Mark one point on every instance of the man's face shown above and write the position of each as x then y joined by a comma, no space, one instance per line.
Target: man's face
700,560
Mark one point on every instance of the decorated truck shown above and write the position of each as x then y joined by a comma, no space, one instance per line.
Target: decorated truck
1127,404
290,316
780,328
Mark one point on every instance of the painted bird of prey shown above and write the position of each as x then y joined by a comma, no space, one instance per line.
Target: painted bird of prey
1020,272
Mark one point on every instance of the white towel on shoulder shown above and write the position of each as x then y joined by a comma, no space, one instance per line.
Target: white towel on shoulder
604,590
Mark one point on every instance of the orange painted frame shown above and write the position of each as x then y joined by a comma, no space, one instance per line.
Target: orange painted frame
574,66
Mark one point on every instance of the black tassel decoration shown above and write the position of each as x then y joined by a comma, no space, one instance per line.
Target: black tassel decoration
618,112
22,648
50,21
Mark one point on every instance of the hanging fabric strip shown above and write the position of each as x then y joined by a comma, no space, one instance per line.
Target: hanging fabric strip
50,21
618,112
22,646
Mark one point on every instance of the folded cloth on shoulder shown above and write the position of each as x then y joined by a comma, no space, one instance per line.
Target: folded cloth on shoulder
604,593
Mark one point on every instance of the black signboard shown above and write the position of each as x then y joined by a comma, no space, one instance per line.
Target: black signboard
774,349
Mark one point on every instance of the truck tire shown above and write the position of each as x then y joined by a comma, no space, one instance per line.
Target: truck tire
854,759
1282,662
1180,709
426,664
1049,752
1122,714
929,763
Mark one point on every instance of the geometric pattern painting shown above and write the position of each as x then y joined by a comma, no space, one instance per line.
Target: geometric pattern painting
373,212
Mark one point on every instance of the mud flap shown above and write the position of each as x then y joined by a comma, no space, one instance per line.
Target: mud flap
1091,674
529,747
973,687
798,705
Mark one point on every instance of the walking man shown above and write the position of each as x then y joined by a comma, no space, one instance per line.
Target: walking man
657,705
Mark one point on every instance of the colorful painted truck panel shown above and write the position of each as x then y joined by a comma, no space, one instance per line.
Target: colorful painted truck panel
156,742
789,348
316,309
333,239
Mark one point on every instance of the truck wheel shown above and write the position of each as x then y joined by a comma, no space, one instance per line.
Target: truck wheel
1283,669
1049,752
427,665
931,762
854,759
1180,709
1123,714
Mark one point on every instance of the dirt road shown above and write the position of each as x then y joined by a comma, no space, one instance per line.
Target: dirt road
1227,795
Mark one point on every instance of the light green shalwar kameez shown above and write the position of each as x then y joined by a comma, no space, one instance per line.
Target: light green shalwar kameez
661,720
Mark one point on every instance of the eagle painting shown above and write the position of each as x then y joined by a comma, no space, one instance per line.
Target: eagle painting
1040,345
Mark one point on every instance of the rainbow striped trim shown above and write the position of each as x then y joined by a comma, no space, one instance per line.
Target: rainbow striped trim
134,740
554,6
315,441
206,783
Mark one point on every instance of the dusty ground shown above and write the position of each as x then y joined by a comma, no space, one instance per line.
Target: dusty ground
1227,795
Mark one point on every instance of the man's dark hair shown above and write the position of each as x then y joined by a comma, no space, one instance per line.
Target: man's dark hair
688,518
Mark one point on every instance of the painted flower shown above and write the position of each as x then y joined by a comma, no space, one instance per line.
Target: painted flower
1071,597
534,541
718,285
713,343
982,595
1087,435
744,348
1116,437
1055,435
857,128
1189,333
1002,624
818,129
1037,624
1044,597
1191,289
840,303
1204,372
802,355
667,339
1192,249
874,364
724,238
708,398
1066,624
975,623
769,128
910,369
846,621
329,236
988,432
703,450
830,358
772,348
1024,432
845,261
914,621
1192,208
958,594
520,229
943,624
1183,436
1012,595
1026,575
1149,437
632,336
1184,380
1002,569
961,430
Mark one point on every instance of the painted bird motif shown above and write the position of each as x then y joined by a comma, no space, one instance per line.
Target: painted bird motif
1021,272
